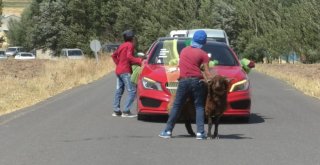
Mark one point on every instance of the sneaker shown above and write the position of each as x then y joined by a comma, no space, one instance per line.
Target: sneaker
201,136
117,113
128,114
165,134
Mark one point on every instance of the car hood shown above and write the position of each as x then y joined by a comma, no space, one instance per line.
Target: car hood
235,73
162,73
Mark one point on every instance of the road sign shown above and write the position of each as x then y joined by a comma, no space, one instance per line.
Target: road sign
95,45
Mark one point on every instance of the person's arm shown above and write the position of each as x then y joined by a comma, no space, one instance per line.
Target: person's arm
207,74
131,58
115,57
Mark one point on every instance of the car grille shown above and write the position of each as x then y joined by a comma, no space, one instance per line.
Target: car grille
149,102
241,104
172,87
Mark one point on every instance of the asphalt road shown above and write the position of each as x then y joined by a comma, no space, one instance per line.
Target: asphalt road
76,128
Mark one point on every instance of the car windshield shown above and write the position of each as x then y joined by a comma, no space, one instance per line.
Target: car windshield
11,49
210,33
167,53
75,53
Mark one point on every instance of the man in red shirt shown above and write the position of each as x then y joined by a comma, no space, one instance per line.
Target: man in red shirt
191,58
123,57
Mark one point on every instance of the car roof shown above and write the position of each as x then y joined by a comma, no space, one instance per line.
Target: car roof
208,30
15,47
209,40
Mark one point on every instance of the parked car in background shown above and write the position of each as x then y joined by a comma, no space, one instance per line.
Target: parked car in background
110,47
72,53
12,51
218,35
3,55
159,77
24,56
178,33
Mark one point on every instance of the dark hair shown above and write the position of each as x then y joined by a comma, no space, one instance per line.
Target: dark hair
128,35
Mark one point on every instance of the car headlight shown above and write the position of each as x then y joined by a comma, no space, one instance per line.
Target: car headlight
240,86
151,84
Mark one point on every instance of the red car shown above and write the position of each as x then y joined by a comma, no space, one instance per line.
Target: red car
158,78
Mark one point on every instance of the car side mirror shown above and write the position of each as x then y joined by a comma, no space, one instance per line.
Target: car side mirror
141,55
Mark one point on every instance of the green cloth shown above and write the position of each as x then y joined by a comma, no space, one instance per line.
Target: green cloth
213,63
244,63
187,42
136,70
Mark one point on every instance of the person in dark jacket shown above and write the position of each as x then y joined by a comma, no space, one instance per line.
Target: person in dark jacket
191,84
124,58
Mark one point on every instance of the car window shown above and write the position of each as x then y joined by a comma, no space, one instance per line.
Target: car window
222,54
74,53
26,55
167,53
11,49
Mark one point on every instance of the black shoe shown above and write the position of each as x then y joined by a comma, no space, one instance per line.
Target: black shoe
117,113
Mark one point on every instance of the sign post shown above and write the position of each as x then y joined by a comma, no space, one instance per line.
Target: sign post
95,47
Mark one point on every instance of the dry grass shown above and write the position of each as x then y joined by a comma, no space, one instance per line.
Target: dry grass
12,11
14,7
24,83
304,77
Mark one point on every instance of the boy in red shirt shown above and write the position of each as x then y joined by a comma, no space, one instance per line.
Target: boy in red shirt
123,57
191,58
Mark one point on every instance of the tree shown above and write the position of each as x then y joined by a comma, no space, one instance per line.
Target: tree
256,28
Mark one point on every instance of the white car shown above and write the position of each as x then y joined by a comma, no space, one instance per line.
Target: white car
178,33
24,56
12,51
73,53
218,35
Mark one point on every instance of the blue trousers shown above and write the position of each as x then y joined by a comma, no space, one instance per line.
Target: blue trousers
188,87
124,81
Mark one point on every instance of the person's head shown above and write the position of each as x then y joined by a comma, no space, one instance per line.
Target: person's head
128,35
199,39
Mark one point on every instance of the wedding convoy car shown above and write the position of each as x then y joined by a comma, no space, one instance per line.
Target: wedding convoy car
218,35
159,75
